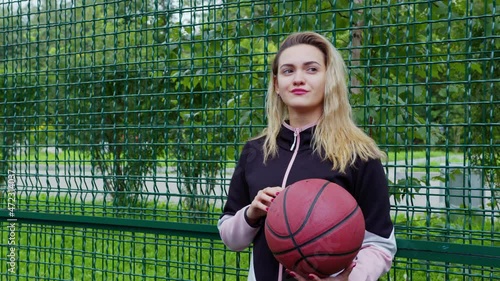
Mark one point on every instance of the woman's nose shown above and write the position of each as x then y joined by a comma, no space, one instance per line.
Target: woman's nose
298,78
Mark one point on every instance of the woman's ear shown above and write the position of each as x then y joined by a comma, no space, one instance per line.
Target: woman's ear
275,83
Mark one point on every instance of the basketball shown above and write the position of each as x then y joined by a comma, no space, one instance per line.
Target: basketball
314,226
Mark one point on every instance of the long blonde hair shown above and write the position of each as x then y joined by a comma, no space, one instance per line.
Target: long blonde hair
336,137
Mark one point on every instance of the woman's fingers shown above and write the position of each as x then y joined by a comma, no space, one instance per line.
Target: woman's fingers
262,201
294,275
344,276
269,193
266,196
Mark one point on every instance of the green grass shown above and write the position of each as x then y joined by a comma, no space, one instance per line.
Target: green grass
77,253
417,160
77,158
421,270
72,253
69,253
64,253
461,227
421,154
82,158
41,155
65,155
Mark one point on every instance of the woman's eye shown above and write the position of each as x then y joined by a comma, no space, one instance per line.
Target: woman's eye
312,69
287,71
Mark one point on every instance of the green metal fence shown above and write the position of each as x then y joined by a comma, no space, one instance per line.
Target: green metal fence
122,122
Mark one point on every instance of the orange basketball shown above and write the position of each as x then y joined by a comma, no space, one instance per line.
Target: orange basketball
314,226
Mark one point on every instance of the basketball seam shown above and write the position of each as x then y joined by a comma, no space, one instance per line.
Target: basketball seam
334,255
291,235
305,258
318,236
297,247
285,214
322,254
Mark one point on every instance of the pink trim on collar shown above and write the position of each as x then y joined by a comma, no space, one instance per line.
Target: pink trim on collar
301,128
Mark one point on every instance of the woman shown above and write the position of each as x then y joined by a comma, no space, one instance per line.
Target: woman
310,134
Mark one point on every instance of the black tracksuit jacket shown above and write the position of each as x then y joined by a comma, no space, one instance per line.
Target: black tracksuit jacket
365,181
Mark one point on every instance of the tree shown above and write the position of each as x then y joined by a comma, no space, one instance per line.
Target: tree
18,111
151,81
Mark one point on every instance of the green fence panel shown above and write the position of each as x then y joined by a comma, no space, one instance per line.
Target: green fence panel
122,122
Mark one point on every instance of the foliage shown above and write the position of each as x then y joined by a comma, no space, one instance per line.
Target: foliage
132,83
110,254
164,80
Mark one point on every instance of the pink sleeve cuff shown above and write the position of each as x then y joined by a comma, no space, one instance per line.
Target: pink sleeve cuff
371,263
235,232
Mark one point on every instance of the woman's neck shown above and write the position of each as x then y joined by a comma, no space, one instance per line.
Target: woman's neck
302,120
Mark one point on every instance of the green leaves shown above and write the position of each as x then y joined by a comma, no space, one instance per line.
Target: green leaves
168,74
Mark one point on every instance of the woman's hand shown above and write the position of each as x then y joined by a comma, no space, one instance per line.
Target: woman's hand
261,202
344,276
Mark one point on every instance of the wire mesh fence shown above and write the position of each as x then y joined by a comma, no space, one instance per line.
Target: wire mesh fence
122,122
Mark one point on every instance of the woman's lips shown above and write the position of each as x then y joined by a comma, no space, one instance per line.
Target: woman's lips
299,91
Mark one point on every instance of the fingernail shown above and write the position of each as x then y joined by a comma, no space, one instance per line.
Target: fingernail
277,193
354,264
267,209
291,274
310,277
272,199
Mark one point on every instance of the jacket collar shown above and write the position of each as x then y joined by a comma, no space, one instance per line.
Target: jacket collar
293,129
286,136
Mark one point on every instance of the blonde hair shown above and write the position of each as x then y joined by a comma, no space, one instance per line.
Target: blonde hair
336,137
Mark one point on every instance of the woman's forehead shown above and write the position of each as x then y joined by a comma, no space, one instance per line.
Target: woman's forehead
301,54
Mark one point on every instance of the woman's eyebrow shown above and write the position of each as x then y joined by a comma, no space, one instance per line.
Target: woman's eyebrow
311,62
307,63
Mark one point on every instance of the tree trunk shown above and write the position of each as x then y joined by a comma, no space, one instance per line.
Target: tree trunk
357,39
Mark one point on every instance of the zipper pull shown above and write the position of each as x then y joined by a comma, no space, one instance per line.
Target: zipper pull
294,140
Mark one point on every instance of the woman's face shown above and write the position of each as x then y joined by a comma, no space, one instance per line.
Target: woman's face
300,81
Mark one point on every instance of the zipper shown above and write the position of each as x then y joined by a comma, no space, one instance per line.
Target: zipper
294,139
295,149
295,145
